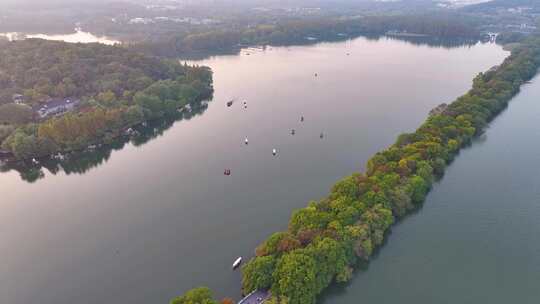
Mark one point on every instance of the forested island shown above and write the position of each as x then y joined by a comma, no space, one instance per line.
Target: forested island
330,238
58,97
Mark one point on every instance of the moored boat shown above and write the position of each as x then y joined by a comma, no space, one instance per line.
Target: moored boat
237,263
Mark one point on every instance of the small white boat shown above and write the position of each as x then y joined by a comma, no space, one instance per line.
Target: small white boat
274,151
237,263
246,141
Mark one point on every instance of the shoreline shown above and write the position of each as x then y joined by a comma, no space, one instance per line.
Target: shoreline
11,159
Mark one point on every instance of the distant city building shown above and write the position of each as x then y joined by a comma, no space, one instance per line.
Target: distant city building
189,20
18,98
56,107
155,7
519,9
141,21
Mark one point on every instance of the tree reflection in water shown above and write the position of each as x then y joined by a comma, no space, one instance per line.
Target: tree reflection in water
81,162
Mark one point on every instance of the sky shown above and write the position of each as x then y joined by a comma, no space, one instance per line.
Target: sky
55,4
59,2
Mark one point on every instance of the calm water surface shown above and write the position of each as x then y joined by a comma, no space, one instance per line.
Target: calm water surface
157,219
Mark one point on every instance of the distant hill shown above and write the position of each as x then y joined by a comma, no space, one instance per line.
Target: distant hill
502,4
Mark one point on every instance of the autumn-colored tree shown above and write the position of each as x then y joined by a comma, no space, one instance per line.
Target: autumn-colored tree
227,301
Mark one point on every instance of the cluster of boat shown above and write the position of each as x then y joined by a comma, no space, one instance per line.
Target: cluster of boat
227,172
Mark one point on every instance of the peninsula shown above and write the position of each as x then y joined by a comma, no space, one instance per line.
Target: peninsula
57,97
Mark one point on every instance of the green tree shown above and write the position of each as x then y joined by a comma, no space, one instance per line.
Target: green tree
15,114
257,273
417,188
295,278
200,295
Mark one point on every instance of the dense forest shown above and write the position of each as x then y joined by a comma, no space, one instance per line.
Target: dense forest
117,88
298,32
328,239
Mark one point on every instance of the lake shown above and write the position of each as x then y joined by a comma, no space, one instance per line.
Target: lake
78,36
150,220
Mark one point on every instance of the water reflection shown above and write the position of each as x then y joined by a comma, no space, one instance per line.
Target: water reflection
81,162
435,42
432,41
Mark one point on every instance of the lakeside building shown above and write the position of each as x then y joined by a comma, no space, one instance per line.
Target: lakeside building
56,107
18,99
